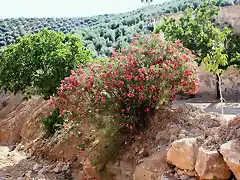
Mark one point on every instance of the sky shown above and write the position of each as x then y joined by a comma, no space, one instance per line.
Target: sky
64,8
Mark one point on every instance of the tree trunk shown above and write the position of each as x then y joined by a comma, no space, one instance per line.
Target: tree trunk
217,86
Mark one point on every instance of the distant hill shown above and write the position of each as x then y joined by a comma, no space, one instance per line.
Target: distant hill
99,33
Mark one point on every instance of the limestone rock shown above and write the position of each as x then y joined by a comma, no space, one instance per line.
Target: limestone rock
42,170
152,167
21,178
210,165
36,167
28,174
167,178
141,151
190,173
231,155
40,177
180,172
58,167
65,167
183,153
184,177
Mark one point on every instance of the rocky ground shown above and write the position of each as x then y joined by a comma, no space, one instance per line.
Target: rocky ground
148,155
17,165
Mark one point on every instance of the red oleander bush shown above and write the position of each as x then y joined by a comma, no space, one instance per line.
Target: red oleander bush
132,83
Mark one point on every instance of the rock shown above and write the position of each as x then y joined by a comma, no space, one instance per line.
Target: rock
167,178
11,148
180,172
162,135
136,149
96,142
231,155
28,174
192,178
184,177
43,170
174,129
210,165
173,138
36,167
181,136
152,167
19,147
20,178
40,177
183,153
170,171
141,151
190,173
65,167
58,168
176,175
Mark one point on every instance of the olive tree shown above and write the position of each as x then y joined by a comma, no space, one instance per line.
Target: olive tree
37,63
198,32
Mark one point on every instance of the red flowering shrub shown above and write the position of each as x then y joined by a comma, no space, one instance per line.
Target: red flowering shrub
133,82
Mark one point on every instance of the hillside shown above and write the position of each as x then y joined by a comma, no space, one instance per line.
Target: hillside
148,112
99,33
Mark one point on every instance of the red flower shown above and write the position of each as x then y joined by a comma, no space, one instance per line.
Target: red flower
178,42
186,57
153,88
65,126
120,83
130,94
146,110
69,118
80,150
188,73
50,101
103,100
174,97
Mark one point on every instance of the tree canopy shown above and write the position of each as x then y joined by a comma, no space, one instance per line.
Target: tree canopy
37,63
213,45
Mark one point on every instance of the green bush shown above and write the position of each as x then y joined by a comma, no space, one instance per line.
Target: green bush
53,122
37,63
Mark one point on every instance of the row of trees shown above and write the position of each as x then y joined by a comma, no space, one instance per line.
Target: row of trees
135,21
11,28
118,32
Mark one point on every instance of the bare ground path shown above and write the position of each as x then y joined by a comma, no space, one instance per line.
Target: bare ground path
16,165
231,106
